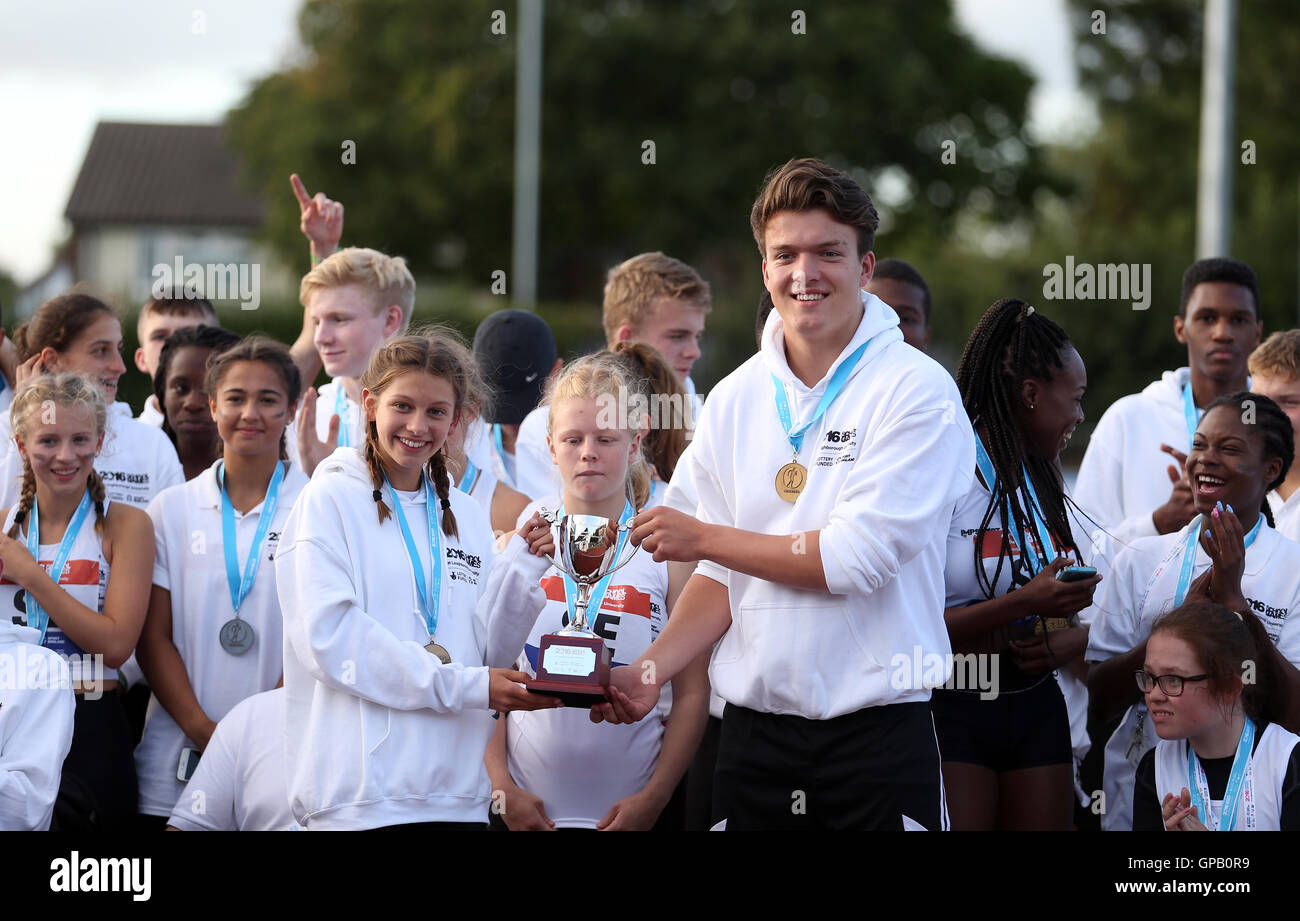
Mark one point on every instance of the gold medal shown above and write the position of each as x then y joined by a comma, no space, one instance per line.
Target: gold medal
443,655
790,480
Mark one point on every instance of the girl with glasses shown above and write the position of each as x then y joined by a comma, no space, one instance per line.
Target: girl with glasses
1222,762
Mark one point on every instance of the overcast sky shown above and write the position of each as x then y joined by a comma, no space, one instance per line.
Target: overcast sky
67,64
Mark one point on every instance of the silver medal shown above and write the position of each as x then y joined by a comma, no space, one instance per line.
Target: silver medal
236,637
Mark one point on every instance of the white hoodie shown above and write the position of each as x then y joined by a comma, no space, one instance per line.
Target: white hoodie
1124,476
886,465
36,712
378,731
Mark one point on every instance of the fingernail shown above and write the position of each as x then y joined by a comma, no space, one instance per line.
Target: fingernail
1215,513
1230,509
1219,504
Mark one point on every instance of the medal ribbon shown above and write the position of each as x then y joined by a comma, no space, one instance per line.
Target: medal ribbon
36,615
833,388
1189,556
1031,560
345,417
470,477
597,595
1242,771
429,601
1189,412
240,587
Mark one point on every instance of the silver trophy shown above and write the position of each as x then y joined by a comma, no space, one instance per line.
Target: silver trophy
581,539
573,663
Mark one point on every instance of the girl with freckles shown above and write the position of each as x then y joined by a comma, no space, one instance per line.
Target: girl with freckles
76,568
214,633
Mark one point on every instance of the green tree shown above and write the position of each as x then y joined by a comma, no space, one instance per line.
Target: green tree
724,91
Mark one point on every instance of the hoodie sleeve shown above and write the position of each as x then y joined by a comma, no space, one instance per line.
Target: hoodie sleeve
1099,487
511,603
35,735
1114,614
337,642
902,491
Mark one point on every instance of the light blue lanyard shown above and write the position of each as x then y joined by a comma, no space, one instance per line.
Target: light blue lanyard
1031,560
240,587
833,389
1189,556
496,439
1232,795
469,478
429,600
345,417
598,591
36,615
1189,413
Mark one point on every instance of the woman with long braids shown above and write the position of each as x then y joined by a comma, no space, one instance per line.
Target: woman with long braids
91,610
1229,553
397,612
1006,749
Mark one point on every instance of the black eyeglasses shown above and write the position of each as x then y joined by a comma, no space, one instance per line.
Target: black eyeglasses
1170,684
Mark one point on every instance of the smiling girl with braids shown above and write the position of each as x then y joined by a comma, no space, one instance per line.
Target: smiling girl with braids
92,610
395,608
1007,760
1228,553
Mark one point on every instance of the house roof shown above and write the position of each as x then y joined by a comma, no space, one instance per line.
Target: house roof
161,174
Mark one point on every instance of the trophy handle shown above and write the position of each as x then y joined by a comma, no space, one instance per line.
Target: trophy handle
627,559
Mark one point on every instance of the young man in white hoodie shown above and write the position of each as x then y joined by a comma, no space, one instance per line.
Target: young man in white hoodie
827,469
1132,480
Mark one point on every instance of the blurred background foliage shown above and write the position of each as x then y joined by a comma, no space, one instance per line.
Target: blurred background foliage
726,91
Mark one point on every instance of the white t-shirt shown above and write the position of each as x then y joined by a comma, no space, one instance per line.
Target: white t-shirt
190,563
239,784
1141,585
1286,514
579,768
84,577
137,461
151,414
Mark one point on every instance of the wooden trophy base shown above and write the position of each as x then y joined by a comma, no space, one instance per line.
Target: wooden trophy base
572,668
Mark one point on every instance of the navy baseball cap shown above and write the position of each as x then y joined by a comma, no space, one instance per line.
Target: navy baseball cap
515,350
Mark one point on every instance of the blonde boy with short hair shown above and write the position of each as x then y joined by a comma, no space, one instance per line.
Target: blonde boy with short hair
355,301
1275,373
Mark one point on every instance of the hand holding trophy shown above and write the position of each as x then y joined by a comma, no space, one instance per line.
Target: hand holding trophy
573,663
